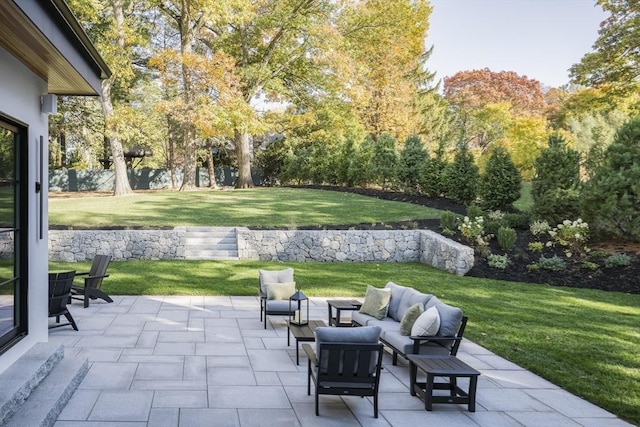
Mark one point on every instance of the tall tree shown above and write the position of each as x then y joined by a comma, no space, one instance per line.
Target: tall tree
117,35
279,47
386,54
615,61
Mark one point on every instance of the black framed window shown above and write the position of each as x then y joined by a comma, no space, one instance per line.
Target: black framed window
13,208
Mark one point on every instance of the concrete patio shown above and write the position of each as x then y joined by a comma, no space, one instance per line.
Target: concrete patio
207,361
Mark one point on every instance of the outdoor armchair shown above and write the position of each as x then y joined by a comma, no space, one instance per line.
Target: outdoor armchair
59,293
93,281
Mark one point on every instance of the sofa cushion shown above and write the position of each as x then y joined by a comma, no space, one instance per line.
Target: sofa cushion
328,334
361,319
280,291
409,298
274,276
410,317
450,317
404,344
396,296
427,324
376,302
387,324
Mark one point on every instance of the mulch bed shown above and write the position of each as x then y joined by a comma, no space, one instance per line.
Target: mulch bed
620,279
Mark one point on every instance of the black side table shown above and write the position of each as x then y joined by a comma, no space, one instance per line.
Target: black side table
340,305
442,366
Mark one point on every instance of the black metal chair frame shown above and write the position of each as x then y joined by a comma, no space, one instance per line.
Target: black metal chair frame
93,281
59,294
348,370
264,311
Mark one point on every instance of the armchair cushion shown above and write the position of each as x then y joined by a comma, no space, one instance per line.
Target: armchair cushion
409,298
376,302
274,276
409,318
427,324
327,334
280,291
450,317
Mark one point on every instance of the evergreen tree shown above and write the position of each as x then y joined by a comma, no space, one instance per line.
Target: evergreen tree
461,177
413,164
384,160
501,182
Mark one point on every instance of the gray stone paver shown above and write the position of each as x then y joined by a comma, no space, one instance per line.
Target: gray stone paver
199,361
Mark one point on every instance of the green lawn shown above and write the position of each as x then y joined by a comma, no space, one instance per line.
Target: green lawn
525,202
280,207
586,341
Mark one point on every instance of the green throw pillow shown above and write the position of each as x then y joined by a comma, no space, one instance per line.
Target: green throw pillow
410,317
376,302
280,291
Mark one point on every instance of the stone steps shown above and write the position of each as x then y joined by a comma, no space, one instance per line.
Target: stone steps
37,387
211,243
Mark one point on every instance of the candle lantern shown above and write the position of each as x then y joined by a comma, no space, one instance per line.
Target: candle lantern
298,310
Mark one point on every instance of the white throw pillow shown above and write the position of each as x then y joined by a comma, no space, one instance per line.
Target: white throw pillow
428,324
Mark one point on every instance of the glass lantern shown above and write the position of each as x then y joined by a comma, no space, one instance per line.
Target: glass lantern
298,311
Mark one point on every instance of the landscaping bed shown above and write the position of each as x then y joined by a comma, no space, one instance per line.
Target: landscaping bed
595,276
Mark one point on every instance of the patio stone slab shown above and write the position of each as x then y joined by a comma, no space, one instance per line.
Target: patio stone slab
180,399
568,404
432,418
80,405
169,385
127,405
159,371
164,417
230,376
542,419
209,417
271,360
107,376
267,417
268,397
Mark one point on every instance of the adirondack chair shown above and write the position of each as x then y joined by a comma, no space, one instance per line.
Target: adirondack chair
59,293
93,281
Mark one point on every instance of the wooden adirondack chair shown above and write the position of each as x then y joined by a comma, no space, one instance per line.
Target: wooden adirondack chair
59,293
93,281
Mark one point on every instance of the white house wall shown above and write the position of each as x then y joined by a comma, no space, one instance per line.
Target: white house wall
20,92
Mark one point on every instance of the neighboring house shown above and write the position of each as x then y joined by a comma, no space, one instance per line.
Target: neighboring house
43,53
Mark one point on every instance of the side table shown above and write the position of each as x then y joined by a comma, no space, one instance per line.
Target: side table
303,333
339,306
442,366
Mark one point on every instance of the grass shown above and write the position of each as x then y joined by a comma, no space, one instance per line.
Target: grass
585,341
525,202
278,207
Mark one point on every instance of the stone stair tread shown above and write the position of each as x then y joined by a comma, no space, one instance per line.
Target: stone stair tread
20,379
46,402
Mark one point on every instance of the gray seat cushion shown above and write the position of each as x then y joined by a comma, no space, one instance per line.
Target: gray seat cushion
404,344
361,318
274,305
385,325
450,317
396,296
328,334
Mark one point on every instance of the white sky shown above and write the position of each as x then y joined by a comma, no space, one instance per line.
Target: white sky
540,39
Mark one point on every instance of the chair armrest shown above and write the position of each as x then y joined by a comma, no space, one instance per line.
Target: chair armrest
96,277
417,340
83,274
310,354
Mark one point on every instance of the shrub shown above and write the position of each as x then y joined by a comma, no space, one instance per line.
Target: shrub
588,265
501,182
538,228
448,220
611,197
572,235
535,246
492,226
461,177
471,229
554,188
474,211
506,238
501,262
384,161
412,164
555,263
432,178
519,221
617,260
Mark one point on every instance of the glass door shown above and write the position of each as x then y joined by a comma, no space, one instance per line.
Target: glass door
13,302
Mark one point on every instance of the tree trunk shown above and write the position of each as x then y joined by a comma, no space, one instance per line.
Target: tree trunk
210,169
189,166
121,186
243,154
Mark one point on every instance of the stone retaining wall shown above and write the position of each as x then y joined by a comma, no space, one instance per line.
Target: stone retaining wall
272,245
82,245
356,246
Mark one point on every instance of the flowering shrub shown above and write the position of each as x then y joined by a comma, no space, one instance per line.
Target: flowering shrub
501,262
472,229
539,227
572,235
496,215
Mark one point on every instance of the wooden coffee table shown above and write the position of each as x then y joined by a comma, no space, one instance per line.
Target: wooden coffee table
303,333
340,305
442,366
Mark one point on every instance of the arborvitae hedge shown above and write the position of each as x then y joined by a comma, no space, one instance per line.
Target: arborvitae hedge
501,182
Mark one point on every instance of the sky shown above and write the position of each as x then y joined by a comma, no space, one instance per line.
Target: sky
539,39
